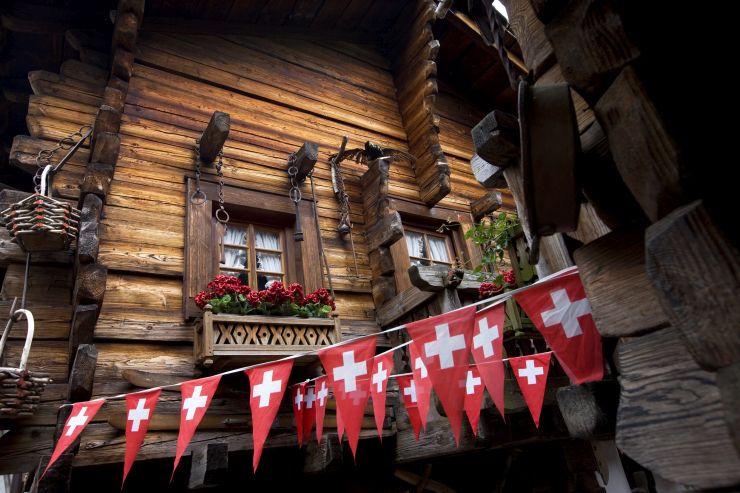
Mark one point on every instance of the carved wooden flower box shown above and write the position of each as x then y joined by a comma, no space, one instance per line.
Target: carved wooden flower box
226,340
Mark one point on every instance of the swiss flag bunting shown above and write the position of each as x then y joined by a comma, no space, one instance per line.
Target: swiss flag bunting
267,385
473,396
139,411
382,369
297,395
443,343
80,416
531,374
348,368
407,387
561,312
322,397
422,385
488,344
196,397
309,411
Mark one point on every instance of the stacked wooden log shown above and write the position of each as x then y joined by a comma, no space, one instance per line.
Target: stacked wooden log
415,71
20,393
664,280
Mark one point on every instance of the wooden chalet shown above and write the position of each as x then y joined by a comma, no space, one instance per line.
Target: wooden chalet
191,105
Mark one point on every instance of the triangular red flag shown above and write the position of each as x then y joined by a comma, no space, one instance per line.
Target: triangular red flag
531,374
80,416
561,312
422,385
473,396
443,342
407,386
340,425
139,411
348,369
488,345
309,411
297,393
196,396
382,369
267,387
322,397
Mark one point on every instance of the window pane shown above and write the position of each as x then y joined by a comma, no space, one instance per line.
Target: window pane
417,261
234,257
235,235
267,239
438,248
243,276
415,244
270,262
263,280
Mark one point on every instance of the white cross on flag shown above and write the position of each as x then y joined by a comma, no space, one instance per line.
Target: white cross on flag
267,384
139,411
473,396
382,369
407,385
422,385
488,344
297,395
196,396
443,343
561,312
531,374
322,396
79,417
348,367
309,411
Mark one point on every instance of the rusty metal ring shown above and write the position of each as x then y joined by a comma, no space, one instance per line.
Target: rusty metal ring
222,212
198,197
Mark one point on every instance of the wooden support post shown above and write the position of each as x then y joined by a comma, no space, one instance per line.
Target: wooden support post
115,98
695,271
323,457
613,268
437,278
106,148
83,327
385,232
383,289
305,159
82,375
108,120
490,202
213,137
57,478
487,174
88,241
97,180
125,32
209,465
496,139
381,262
589,410
122,64
90,285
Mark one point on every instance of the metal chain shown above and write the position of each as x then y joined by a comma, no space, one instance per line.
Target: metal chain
221,215
198,197
295,191
68,143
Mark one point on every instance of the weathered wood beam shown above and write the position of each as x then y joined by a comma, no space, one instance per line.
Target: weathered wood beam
115,98
496,139
57,478
728,381
83,326
695,271
305,159
90,284
107,120
209,465
82,375
135,7
401,304
646,154
487,174
490,202
122,64
672,421
611,268
384,289
437,277
125,32
589,410
381,262
88,241
97,180
213,137
323,457
106,148
385,232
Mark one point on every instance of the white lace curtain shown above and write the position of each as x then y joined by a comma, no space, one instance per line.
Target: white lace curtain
234,257
415,244
270,262
438,248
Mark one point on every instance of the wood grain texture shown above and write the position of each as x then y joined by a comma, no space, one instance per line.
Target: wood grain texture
536,49
686,246
670,418
613,268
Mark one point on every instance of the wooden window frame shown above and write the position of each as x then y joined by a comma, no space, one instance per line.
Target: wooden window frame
429,232
203,236
287,274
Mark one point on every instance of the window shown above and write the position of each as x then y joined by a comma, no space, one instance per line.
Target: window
427,248
254,254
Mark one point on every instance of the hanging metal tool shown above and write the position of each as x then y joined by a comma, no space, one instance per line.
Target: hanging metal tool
295,196
337,183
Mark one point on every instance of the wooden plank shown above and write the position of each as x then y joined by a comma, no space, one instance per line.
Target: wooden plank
385,232
213,137
490,202
530,32
88,240
404,302
106,148
97,180
305,159
672,421
487,174
384,288
496,139
613,267
646,154
45,284
11,253
695,271
83,326
52,320
82,375
437,278
90,284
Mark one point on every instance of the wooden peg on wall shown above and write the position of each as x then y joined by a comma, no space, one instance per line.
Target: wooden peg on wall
214,136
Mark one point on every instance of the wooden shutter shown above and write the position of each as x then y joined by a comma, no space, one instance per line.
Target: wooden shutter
200,251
